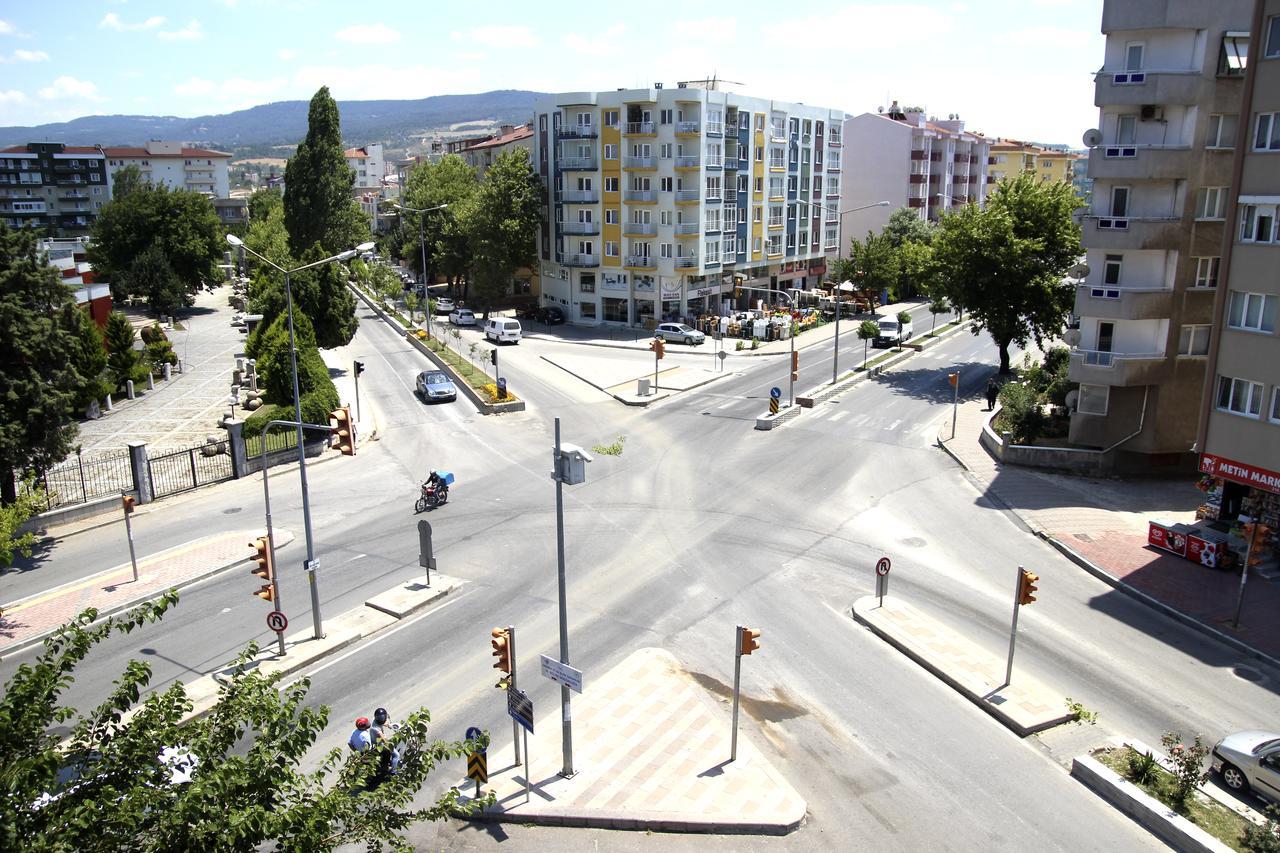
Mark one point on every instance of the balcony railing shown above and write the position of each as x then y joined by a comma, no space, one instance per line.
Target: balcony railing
833,139
577,131
686,262
715,127
777,163
640,229
640,262
777,133
713,194
685,228
640,162
687,162
579,260
577,164
634,128
1121,369
687,127
1111,302
687,195
641,196
579,227
580,196
714,161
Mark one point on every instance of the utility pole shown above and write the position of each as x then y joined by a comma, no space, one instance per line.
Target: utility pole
566,714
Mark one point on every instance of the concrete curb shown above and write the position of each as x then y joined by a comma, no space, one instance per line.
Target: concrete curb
634,402
651,822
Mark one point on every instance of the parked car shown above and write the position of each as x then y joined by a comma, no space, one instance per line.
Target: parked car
435,385
550,315
680,333
892,333
462,317
499,329
444,305
1249,761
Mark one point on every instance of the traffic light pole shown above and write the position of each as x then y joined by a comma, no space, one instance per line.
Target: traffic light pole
791,385
358,369
1244,573
515,727
566,714
1013,631
128,532
271,544
955,403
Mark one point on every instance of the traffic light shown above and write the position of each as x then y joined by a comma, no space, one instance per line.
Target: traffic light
795,366
953,378
493,357
129,502
359,368
502,650
263,567
1027,586
748,641
343,430
658,347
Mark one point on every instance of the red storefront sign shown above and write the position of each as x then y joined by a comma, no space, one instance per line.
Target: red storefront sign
1239,472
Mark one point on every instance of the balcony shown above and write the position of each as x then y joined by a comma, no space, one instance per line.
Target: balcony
1125,370
640,163
639,229
580,197
1129,88
731,160
918,179
72,194
685,263
1140,162
688,128
1133,232
713,195
962,158
714,162
687,196
683,163
714,128
777,133
833,140
918,154
76,181
576,164
579,228
577,131
579,260
777,165
640,196
688,229
833,165
640,262
731,195
638,128
1124,303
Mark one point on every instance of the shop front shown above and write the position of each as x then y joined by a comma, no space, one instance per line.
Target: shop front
1236,521
614,297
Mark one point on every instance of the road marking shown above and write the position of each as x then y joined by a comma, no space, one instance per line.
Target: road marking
726,405
357,557
838,415
860,420
894,425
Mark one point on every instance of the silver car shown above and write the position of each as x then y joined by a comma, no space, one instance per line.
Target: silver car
680,333
1250,761
462,317
435,385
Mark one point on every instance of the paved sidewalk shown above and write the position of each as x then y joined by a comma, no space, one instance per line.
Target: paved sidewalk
28,621
1101,524
651,751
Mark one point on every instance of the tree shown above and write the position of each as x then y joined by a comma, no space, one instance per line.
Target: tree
123,361
126,181
451,182
915,270
1005,263
318,204
149,776
30,501
322,294
264,202
906,226
873,263
867,330
89,357
151,276
39,383
159,349
503,223
939,305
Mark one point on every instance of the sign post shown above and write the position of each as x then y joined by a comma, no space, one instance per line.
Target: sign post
562,673
520,709
127,501
775,394
882,579
278,622
955,399
477,762
426,556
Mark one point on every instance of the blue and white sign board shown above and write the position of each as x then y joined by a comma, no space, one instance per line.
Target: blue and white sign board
563,673
473,733
775,392
520,708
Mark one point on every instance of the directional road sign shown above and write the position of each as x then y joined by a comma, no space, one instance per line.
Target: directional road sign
520,708
882,566
478,766
775,392
563,673
277,621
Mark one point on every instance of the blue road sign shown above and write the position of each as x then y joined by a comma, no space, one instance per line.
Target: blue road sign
473,733
775,392
520,708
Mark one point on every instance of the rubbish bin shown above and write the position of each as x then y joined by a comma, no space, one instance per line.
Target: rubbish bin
502,389
642,387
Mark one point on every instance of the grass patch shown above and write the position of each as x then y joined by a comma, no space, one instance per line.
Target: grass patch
477,379
882,357
614,449
1213,817
938,332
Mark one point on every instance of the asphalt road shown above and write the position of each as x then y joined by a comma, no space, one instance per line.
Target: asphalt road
703,523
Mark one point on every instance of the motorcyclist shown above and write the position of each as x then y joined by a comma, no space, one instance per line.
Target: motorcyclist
435,479
381,733
362,738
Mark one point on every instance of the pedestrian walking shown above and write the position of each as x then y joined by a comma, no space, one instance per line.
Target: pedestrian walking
993,391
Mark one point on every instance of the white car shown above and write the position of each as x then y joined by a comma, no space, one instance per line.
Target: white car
444,305
1249,761
462,317
680,333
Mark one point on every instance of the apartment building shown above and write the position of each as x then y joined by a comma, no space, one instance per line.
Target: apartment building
1011,157
926,164
58,188
662,201
481,155
370,168
1239,430
174,165
1168,96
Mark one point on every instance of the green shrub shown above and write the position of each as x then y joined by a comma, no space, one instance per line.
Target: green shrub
1057,360
1021,413
1188,765
1142,767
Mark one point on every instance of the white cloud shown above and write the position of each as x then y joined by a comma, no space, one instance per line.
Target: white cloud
112,21
6,28
69,87
287,54
12,96
498,36
234,93
1045,40
368,34
30,56
191,32
607,42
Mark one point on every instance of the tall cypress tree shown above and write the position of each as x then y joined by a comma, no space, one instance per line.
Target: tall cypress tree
318,205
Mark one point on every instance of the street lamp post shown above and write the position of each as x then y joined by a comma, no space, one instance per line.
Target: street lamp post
422,242
835,352
310,565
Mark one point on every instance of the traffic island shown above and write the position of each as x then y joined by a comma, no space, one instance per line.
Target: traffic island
769,420
1026,706
651,752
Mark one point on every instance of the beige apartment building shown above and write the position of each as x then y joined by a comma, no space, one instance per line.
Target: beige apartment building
1239,436
1169,95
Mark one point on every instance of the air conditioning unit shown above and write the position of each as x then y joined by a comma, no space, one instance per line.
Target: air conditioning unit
1151,112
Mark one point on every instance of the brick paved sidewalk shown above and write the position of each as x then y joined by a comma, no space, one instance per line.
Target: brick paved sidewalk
651,751
1101,524
27,621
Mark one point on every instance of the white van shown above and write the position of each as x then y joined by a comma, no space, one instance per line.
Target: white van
500,329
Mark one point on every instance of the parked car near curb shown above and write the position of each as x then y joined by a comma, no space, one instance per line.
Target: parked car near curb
444,305
1249,761
679,333
462,317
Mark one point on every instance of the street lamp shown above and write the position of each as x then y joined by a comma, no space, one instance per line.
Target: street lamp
422,242
310,565
835,353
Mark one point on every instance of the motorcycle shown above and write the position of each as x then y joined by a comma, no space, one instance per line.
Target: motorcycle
432,496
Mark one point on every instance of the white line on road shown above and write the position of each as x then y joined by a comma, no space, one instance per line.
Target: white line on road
838,415
860,420
726,405
894,425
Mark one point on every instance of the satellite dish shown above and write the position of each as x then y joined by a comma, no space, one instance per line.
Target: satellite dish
1072,337
1092,138
1073,397
1079,271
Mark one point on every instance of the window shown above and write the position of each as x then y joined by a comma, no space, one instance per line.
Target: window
587,310
587,247
1266,136
665,184
1252,312
664,117
791,212
791,184
1093,399
610,152
711,251
1257,223
95,178
664,151
1273,37
587,282
833,186
1207,272
1222,131
610,249
759,121
759,186
610,118
611,185
664,250
1126,129
713,187
1275,405
758,216
775,215
1211,202
759,153
664,217
830,239
610,216
1234,55
1133,56
1193,340
1111,269
1119,201
1240,396
755,245
774,246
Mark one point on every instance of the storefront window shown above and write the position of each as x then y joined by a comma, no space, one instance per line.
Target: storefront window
615,310
587,310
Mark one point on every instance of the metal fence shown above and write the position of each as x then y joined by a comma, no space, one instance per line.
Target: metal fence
86,477
183,470
256,445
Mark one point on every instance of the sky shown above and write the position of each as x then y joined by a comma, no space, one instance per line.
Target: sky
1013,68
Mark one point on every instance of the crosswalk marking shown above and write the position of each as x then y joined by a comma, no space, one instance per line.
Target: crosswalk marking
726,405
860,420
838,415
894,425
